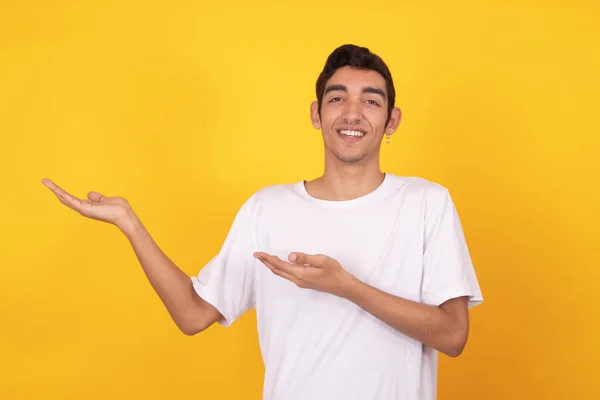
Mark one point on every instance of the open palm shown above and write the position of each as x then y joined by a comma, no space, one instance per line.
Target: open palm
108,209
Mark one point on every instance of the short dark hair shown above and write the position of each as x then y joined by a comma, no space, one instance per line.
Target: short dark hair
356,57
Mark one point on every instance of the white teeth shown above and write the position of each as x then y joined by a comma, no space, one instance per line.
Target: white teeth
352,133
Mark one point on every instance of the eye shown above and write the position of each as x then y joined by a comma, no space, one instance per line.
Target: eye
335,99
372,102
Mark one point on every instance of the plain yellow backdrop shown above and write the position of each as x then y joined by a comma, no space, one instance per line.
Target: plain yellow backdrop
186,108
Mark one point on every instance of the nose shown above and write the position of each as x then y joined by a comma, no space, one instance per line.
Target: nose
352,111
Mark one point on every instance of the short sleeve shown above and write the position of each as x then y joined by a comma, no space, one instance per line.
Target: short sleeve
448,271
227,281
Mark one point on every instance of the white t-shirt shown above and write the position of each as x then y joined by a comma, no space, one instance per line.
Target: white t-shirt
404,238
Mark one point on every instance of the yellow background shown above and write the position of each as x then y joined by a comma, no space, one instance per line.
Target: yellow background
186,108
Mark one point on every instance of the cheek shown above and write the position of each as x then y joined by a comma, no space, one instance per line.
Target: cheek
327,120
378,120
330,112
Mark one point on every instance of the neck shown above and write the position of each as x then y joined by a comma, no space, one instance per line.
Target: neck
342,181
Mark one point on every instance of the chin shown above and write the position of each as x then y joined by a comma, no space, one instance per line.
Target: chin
350,158
345,155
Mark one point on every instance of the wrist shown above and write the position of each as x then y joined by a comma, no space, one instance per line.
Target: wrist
129,223
351,286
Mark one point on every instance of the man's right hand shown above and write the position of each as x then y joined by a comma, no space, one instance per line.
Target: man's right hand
191,313
114,210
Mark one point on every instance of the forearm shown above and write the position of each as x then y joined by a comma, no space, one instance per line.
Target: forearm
431,325
172,285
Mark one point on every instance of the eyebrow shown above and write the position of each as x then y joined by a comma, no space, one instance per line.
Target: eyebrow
342,88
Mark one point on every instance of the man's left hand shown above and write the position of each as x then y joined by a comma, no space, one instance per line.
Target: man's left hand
316,272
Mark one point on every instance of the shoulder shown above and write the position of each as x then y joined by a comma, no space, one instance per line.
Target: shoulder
269,196
273,193
415,185
421,194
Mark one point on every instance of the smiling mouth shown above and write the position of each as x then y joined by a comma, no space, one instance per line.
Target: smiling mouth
351,133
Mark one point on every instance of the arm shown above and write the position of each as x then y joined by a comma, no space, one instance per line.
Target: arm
443,327
441,319
190,312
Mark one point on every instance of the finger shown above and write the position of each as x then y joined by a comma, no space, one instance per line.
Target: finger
281,265
281,273
64,197
316,260
49,184
62,201
55,188
95,196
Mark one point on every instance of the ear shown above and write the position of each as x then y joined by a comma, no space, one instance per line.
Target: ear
394,121
314,115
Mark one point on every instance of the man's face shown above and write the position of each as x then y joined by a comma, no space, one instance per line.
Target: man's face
354,112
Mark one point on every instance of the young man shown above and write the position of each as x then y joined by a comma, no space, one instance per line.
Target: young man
358,278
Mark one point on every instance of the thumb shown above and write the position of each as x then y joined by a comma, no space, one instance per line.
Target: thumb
298,258
95,196
305,259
